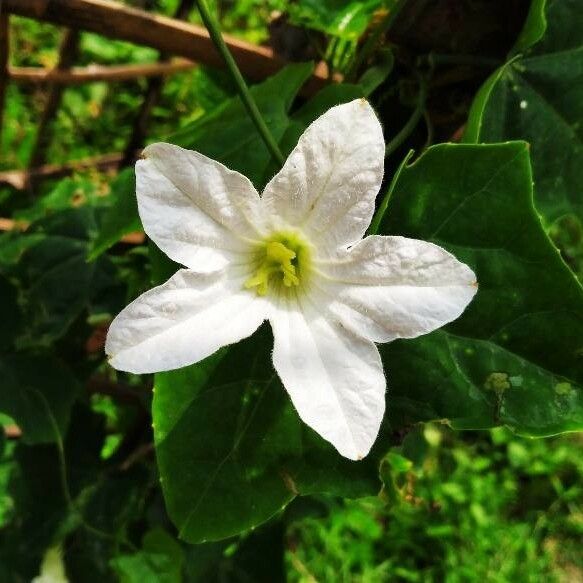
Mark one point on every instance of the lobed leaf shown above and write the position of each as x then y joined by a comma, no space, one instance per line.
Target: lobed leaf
515,357
537,96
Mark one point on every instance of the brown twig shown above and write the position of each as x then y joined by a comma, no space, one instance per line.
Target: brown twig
18,178
165,34
136,238
67,55
101,385
4,76
151,97
12,432
142,451
91,73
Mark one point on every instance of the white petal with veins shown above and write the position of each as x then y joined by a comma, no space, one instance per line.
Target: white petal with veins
386,288
328,185
196,210
335,379
182,321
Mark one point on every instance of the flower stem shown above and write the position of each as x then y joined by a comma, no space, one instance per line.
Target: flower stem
373,39
213,29
380,213
412,121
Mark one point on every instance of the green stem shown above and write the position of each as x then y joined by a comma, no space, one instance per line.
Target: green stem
430,130
380,213
71,506
373,39
412,121
244,93
60,450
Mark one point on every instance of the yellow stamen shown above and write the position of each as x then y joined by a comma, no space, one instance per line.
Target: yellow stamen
275,264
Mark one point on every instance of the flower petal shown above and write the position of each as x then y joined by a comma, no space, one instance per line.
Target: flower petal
385,288
195,209
334,378
182,321
328,185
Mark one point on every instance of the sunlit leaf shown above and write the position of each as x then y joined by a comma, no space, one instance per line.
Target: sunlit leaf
121,217
160,559
346,20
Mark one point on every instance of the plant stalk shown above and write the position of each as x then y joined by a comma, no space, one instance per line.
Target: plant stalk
412,121
212,27
380,212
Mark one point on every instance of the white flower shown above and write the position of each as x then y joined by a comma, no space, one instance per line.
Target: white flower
294,257
52,568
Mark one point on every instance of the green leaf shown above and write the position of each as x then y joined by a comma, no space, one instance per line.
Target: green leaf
38,393
377,74
231,449
39,508
515,356
58,282
537,96
121,217
160,561
68,193
345,20
534,26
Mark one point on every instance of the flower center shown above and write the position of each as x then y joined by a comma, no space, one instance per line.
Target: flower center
280,264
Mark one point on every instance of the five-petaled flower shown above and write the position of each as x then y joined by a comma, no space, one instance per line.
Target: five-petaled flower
293,256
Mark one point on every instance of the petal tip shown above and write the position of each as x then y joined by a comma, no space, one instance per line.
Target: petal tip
151,149
354,456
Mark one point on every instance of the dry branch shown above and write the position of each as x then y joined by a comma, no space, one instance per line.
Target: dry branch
151,97
91,73
12,432
67,55
165,34
136,238
4,46
19,178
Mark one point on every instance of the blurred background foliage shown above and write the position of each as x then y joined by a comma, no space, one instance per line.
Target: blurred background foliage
477,507
455,507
